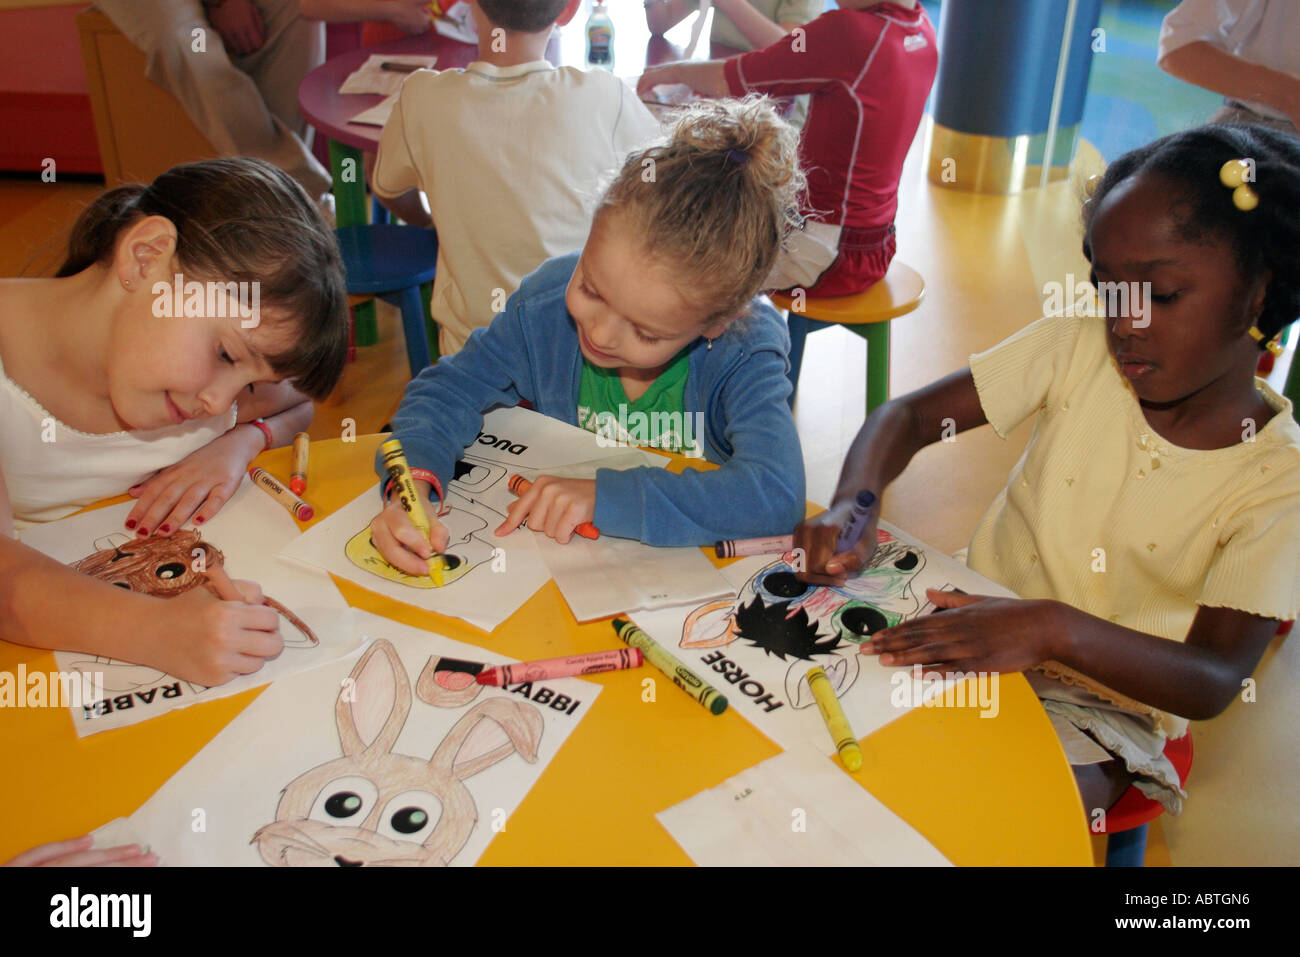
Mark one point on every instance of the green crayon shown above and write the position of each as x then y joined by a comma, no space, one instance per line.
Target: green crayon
682,676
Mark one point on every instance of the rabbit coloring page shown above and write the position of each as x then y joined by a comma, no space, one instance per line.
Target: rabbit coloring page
244,538
757,645
393,756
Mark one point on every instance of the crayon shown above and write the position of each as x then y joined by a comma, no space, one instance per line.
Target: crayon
298,478
682,676
846,742
519,485
733,548
852,532
397,469
567,667
269,484
399,67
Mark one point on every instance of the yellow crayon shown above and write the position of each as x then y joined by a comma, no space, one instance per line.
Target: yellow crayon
409,496
846,742
682,676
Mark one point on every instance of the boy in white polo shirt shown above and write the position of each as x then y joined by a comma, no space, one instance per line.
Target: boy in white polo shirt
510,152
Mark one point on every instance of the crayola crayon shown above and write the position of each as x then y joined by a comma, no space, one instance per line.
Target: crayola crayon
519,485
733,548
409,496
567,667
682,676
846,742
269,484
298,477
852,532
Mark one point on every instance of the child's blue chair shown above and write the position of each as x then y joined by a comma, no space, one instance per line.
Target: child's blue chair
1126,822
867,314
397,264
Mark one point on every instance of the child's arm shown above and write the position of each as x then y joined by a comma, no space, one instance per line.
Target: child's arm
892,434
707,78
44,604
1205,65
662,15
409,16
1196,678
756,28
408,206
394,175
201,483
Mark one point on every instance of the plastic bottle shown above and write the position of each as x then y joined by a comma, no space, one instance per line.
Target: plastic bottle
600,38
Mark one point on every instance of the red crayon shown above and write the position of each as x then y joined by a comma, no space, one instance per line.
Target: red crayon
269,484
519,485
614,660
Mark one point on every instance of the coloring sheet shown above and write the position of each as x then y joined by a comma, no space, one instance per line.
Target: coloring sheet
757,645
394,756
798,809
489,577
244,538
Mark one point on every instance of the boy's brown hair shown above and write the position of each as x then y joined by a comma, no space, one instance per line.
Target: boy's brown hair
522,16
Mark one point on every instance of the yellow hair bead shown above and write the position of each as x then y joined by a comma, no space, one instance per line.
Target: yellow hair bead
1255,333
1233,173
1245,198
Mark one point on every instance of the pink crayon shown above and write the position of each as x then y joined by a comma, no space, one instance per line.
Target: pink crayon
567,667
776,545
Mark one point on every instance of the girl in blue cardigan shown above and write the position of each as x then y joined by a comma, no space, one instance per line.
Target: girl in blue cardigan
655,316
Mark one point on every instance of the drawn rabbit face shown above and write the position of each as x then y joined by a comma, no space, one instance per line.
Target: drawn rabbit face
372,806
162,567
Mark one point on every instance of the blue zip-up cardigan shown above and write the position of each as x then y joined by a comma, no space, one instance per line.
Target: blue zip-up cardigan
530,351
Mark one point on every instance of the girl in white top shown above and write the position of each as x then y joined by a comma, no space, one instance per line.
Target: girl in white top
107,385
1152,528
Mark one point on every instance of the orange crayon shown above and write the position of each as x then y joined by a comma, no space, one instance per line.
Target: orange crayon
519,485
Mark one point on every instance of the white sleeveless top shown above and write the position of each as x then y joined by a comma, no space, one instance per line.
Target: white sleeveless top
49,480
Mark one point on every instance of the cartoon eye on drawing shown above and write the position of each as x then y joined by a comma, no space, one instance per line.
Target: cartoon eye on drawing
163,568
467,546
786,617
376,807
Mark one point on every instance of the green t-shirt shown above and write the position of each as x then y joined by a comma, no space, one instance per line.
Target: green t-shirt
657,419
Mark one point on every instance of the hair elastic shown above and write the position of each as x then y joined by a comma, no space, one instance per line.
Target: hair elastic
737,156
1233,174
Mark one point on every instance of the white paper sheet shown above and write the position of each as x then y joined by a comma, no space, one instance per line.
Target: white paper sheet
757,645
458,24
361,762
250,530
798,809
378,114
371,77
494,576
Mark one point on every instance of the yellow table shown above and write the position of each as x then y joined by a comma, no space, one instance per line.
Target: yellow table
983,791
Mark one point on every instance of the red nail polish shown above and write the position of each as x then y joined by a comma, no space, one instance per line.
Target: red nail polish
199,520
130,523
165,529
143,531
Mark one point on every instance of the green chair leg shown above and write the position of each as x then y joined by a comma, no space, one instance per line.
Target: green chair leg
350,210
876,335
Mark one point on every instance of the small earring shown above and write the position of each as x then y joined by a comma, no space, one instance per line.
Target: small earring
1272,345
127,283
709,347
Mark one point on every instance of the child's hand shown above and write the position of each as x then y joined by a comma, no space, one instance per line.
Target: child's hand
195,487
401,543
240,25
817,537
655,75
77,852
979,634
553,505
200,638
409,16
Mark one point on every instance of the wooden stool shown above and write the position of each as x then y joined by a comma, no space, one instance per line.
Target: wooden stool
868,313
